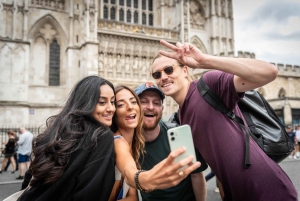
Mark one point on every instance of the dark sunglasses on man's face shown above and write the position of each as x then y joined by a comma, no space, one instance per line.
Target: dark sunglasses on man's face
168,70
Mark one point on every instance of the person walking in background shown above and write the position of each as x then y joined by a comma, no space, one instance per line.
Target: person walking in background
73,159
9,151
24,151
219,140
193,187
292,136
15,153
297,142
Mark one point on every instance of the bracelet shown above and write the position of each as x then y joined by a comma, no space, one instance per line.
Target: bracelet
138,186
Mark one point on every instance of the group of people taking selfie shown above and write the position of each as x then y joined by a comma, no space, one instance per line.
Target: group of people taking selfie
109,142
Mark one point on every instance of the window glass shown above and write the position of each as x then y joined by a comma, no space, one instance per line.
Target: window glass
150,5
121,15
105,12
136,17
136,5
144,20
54,64
150,20
128,16
128,3
112,13
144,4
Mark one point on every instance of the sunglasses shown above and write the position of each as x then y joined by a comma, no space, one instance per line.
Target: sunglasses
168,70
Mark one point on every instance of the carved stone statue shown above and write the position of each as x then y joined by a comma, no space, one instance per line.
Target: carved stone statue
196,16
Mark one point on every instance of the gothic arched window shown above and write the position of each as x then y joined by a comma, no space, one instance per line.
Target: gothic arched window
128,3
136,17
150,5
121,15
54,64
128,16
144,19
105,12
136,4
144,4
150,20
139,13
113,13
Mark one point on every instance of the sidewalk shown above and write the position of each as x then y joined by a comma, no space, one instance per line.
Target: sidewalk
8,178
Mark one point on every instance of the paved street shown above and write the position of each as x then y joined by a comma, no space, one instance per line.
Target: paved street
9,185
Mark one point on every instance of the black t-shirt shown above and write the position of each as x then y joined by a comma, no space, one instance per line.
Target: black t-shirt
157,151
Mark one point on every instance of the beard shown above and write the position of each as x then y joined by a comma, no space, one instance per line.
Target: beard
151,126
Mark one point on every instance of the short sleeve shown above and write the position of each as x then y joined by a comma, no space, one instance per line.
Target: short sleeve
202,161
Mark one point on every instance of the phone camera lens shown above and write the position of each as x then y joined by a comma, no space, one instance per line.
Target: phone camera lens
172,138
171,133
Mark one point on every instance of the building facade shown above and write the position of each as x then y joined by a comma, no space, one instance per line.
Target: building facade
46,46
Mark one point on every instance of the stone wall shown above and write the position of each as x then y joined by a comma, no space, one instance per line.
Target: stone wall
119,51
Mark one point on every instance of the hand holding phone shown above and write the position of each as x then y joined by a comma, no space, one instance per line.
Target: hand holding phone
181,136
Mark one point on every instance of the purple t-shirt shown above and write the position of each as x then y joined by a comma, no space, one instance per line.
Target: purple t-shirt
221,142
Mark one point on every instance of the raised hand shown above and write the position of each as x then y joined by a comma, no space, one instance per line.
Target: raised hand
186,54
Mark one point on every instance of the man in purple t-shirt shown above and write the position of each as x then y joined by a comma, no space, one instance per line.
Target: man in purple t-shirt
221,141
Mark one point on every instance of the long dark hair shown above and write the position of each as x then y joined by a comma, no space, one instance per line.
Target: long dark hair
138,142
73,128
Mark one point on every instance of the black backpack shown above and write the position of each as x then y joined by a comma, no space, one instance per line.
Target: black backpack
265,127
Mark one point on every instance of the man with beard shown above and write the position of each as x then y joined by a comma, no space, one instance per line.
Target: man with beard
157,149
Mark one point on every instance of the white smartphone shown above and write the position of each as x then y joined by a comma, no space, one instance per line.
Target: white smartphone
181,136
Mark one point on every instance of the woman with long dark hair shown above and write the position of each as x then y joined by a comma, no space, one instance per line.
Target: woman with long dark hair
74,158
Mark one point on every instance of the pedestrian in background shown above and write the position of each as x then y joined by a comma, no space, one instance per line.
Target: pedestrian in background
298,141
292,136
9,151
24,151
15,153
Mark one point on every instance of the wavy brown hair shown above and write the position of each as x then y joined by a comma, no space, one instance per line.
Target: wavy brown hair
138,141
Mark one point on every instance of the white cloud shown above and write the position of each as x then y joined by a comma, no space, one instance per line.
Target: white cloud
292,25
268,28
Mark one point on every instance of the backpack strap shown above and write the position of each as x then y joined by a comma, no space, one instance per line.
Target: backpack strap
217,103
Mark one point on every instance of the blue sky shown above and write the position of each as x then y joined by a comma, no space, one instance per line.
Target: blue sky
268,28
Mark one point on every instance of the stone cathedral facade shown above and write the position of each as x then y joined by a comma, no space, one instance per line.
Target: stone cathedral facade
46,46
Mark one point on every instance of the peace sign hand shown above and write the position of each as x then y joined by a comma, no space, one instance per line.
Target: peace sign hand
186,54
